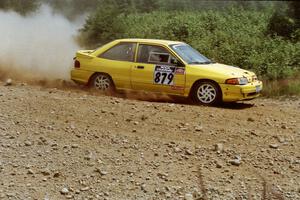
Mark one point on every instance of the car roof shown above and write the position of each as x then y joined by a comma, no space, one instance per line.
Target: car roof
154,41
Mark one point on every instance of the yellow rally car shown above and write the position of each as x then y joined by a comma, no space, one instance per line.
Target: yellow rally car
161,66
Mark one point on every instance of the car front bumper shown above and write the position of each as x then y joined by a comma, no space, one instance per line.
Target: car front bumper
241,92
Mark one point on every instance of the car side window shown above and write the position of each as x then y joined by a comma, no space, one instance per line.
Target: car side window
120,52
154,54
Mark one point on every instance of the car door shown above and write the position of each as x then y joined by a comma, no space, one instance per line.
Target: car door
157,70
118,62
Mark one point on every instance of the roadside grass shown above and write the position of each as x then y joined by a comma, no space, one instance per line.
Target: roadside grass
284,87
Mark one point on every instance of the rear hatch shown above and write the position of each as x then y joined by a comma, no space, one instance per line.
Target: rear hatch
85,54
82,56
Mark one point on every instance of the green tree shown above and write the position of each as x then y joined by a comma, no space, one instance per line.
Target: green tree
20,6
234,36
101,26
72,8
146,5
285,22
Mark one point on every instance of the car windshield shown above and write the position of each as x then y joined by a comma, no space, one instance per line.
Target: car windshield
190,55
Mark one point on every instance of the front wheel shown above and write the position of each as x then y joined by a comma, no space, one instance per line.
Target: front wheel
206,93
103,83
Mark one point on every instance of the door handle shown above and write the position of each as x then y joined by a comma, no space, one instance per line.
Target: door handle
140,67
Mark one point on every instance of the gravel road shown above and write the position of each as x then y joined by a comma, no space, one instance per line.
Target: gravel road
71,144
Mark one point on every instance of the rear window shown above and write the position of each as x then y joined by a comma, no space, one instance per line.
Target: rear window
120,52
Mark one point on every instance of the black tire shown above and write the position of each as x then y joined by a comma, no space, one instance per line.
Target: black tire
103,83
206,93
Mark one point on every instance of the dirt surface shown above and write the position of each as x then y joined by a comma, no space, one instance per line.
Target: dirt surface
70,144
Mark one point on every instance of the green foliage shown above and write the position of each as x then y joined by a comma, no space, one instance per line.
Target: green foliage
285,22
192,5
69,8
102,26
233,36
282,87
231,32
72,8
20,6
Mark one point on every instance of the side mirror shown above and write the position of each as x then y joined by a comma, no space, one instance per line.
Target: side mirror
176,62
180,64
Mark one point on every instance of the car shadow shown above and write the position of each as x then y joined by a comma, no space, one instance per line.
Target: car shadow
236,105
181,100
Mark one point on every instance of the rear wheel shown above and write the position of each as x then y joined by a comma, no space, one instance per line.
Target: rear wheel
206,93
103,83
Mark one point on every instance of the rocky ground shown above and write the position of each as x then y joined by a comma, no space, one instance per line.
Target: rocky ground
71,144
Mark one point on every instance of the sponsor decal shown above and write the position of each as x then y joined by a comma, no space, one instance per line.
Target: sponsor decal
174,87
164,75
180,71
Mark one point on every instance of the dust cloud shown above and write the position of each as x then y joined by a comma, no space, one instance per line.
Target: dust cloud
37,46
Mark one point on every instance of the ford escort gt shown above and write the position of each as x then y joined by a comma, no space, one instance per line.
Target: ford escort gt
166,67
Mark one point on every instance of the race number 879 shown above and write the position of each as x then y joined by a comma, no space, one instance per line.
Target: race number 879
164,75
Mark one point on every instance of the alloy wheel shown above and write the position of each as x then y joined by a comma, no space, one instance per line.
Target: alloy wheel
206,93
102,82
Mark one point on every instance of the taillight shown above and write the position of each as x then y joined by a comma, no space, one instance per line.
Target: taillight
77,64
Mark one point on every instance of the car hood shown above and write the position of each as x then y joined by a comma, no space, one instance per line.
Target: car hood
227,70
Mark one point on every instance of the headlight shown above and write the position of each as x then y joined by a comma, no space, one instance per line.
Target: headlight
237,81
243,81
